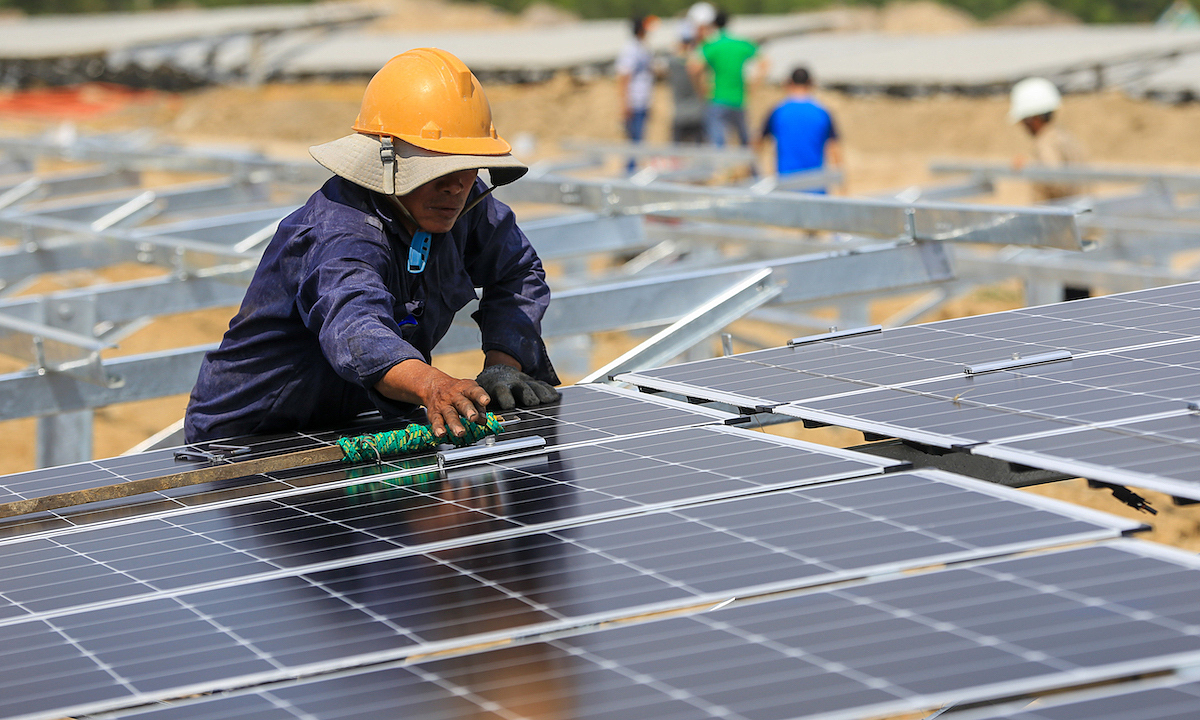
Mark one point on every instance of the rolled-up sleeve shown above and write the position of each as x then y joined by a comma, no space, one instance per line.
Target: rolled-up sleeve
344,300
515,295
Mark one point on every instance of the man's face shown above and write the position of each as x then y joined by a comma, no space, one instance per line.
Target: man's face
437,204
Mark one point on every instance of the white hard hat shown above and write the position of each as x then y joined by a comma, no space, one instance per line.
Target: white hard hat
1032,97
701,14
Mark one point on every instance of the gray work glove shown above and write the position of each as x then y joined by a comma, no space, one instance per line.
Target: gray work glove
509,387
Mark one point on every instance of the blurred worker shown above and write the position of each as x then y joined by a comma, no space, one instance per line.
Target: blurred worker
804,131
726,57
635,80
1033,104
687,124
701,16
360,284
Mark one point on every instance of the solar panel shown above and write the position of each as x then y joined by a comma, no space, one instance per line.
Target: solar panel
348,525
991,630
829,368
1174,699
971,409
1156,453
585,414
813,370
291,591
652,562
590,413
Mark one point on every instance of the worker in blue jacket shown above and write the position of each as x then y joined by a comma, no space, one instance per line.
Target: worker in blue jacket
359,285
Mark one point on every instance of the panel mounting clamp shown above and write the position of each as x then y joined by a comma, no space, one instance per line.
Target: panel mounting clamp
1017,361
495,450
833,334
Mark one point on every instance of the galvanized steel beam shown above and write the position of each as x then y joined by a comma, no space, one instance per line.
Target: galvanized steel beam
173,372
38,187
660,300
1043,226
585,234
703,322
161,201
64,438
1173,181
84,309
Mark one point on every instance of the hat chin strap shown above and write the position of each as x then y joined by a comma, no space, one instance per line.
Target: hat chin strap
387,155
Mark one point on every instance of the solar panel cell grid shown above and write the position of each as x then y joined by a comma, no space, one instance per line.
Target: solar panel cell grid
594,413
1180,702
620,566
203,546
1036,399
1158,454
586,414
280,578
965,634
818,371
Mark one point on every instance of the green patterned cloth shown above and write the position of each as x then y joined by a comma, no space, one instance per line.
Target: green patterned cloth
413,439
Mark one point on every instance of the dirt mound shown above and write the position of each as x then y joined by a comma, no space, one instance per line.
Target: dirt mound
923,17
541,14
1034,13
408,15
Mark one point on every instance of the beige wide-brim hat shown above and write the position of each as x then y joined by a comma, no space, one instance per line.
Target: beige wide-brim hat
357,158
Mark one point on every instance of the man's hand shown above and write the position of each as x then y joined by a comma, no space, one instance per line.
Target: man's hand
446,399
511,387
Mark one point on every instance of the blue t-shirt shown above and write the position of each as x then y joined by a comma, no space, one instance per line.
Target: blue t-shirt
801,128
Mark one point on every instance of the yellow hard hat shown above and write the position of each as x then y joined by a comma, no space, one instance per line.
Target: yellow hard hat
423,115
429,98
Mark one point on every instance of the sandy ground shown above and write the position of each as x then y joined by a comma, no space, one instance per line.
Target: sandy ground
888,142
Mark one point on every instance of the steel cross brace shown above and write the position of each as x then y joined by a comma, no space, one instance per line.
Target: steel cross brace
1040,226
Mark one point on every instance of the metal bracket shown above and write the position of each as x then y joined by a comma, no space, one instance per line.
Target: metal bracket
833,334
491,449
55,350
1017,361
215,453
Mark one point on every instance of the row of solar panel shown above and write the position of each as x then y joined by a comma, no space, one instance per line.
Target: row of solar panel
641,508
1121,409
956,635
165,609
297,576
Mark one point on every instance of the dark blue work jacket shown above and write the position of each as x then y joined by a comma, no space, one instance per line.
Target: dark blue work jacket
332,307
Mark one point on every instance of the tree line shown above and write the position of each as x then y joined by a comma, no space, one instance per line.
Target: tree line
1103,11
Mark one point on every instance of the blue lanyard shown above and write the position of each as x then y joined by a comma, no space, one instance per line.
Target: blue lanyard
418,252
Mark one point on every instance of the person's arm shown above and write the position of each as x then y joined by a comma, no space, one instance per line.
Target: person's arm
833,153
445,397
833,146
624,68
759,74
697,69
500,259
766,132
623,94
344,300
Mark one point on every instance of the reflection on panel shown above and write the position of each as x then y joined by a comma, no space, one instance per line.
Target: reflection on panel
376,520
585,414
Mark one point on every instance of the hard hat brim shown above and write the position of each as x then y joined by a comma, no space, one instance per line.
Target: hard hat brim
356,158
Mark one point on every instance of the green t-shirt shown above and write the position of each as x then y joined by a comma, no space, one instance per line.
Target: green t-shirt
727,56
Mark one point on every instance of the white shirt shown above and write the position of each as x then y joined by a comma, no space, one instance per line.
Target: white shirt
637,64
